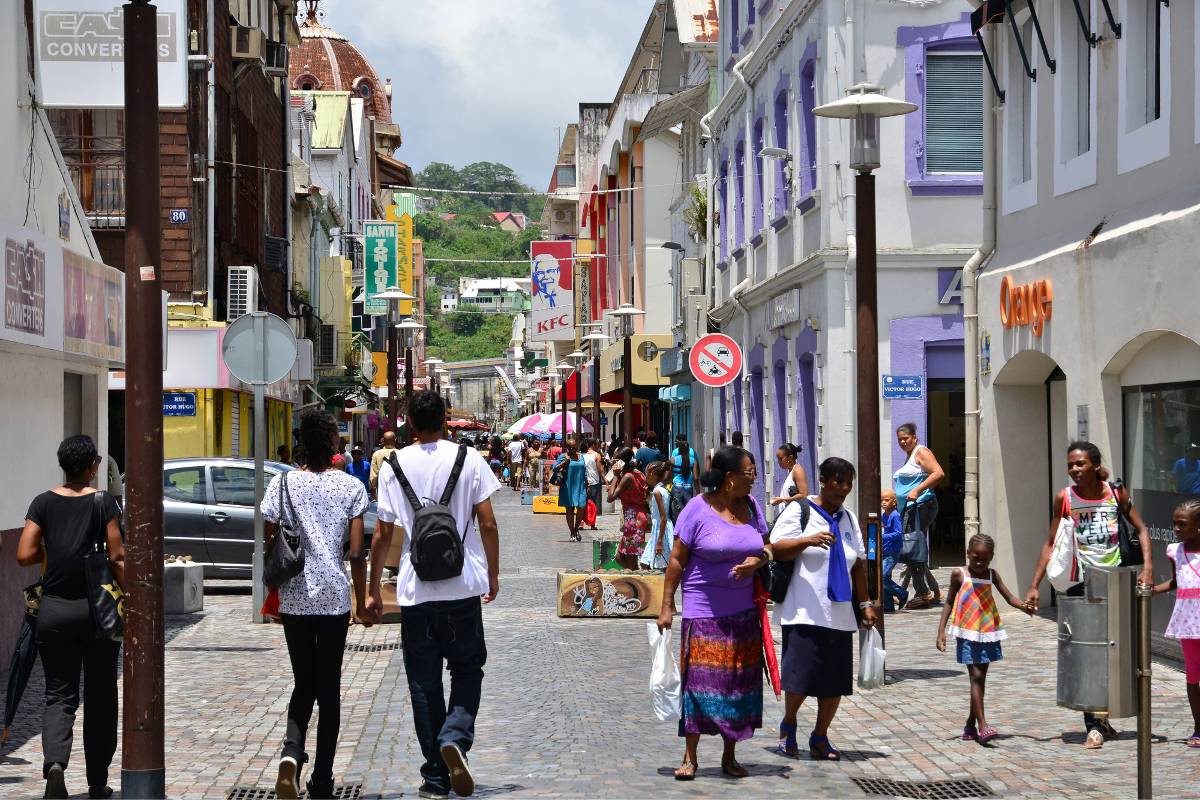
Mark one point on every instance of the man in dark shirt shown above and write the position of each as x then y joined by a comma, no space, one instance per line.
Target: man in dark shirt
648,453
1187,471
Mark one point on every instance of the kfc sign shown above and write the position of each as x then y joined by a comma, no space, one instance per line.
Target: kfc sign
552,315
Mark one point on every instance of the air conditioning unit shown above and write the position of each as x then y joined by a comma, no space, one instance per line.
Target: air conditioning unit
276,59
247,43
327,347
560,216
303,371
241,295
695,320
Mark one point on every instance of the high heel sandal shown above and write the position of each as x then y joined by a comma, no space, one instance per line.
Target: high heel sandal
686,771
821,750
787,740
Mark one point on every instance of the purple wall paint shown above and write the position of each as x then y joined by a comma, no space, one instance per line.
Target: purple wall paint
781,140
779,392
807,165
912,338
806,407
739,191
915,41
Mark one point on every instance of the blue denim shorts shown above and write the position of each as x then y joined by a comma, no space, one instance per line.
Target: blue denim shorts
978,652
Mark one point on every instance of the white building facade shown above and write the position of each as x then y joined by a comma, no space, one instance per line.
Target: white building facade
784,239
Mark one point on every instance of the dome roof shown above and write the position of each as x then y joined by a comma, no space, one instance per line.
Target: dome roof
326,60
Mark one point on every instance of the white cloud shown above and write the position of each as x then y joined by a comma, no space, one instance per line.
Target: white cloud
477,80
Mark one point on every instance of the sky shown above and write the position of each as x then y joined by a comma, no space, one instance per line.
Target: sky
491,80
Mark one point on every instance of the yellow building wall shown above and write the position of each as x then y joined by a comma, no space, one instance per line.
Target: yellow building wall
210,432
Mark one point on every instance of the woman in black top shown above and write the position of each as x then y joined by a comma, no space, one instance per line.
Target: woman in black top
61,528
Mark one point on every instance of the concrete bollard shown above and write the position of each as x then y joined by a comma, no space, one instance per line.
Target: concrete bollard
183,588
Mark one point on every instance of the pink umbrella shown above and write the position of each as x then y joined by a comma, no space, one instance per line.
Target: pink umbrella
553,423
527,425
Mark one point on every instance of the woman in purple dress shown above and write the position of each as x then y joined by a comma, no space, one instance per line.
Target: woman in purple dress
719,540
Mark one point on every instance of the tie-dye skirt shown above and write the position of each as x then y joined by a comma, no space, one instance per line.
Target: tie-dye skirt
722,665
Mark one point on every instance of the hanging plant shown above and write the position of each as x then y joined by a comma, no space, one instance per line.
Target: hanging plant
696,213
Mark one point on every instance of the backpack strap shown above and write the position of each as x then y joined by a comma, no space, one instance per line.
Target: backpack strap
459,460
99,500
805,512
405,486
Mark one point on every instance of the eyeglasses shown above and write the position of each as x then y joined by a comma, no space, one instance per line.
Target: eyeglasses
751,473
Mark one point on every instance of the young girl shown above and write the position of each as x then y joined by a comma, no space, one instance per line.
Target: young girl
662,531
976,626
1185,619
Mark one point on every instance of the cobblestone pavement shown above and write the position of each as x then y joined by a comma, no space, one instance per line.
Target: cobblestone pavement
565,708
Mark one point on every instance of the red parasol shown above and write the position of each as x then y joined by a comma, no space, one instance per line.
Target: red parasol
771,661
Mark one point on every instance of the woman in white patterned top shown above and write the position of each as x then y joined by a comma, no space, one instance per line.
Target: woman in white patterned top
322,502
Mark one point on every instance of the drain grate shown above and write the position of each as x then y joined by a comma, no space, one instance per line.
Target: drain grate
372,648
923,790
344,791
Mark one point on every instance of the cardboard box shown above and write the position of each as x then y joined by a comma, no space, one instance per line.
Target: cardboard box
610,594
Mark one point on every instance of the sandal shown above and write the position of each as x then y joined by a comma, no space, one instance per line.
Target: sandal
733,769
1094,740
787,740
686,771
1108,731
970,734
986,734
921,602
821,750
1194,740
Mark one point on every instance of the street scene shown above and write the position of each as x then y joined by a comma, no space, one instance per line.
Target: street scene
450,399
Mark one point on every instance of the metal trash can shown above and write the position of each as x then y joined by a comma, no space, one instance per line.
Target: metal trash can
1097,644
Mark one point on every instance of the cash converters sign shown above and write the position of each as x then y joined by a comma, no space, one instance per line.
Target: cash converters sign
552,273
1029,304
81,53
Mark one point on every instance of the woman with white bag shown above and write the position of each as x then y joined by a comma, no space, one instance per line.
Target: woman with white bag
1096,512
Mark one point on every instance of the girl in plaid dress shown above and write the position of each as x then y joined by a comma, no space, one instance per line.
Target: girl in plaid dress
976,627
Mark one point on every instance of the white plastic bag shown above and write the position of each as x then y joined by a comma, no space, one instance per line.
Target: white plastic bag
664,674
871,660
1062,570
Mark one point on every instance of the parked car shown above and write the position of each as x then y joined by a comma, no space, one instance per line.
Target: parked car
208,512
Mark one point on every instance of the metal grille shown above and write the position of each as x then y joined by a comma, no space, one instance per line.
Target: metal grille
931,790
372,648
344,791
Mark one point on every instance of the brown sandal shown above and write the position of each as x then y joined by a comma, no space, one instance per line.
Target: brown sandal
686,771
733,769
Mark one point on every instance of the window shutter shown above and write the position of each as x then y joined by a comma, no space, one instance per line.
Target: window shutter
953,113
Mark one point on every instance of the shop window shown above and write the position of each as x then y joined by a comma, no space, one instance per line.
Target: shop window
808,126
1075,158
1144,78
1020,123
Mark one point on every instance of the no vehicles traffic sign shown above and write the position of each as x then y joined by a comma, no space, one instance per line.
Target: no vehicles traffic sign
716,360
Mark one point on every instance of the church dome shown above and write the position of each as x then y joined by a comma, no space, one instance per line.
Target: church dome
325,60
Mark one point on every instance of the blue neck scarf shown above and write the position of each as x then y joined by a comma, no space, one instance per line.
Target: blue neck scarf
839,572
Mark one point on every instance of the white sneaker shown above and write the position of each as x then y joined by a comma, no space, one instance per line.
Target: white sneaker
289,779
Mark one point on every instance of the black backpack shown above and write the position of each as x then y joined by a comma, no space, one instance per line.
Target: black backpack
777,575
435,548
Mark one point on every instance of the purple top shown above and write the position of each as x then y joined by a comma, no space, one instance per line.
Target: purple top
717,546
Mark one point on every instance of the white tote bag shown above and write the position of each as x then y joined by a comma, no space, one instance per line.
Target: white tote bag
664,674
1063,568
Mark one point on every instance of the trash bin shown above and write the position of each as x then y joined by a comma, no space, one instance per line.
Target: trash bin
1097,644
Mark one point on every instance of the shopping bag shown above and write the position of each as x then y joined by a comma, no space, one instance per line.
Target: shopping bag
664,674
1063,568
871,660
589,514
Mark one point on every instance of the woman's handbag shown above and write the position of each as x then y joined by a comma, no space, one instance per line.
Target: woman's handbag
286,559
1062,570
558,474
105,596
1127,538
914,548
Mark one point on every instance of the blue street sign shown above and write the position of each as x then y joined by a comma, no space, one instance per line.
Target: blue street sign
903,387
180,216
179,404
603,420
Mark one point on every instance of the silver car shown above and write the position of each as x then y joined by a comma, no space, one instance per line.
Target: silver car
208,513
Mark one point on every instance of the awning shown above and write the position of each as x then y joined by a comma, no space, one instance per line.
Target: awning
393,172
688,105
679,393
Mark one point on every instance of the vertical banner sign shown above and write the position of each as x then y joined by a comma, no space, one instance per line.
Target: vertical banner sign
404,262
552,316
381,263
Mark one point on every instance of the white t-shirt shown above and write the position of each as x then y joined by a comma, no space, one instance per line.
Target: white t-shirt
427,467
516,451
807,601
592,462
324,502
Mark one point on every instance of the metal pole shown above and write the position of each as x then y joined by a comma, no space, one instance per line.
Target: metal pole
143,772
393,353
627,399
408,382
578,400
867,363
1145,773
260,455
566,422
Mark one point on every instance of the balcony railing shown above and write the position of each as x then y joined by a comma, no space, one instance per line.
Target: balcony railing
101,189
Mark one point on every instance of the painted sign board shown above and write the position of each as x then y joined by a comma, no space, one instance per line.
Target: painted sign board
607,594
80,50
903,387
552,316
715,360
380,248
404,262
179,404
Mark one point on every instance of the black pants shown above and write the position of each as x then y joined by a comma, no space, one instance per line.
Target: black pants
67,641
450,631
316,644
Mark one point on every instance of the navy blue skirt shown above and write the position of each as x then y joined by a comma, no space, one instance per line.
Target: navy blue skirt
817,661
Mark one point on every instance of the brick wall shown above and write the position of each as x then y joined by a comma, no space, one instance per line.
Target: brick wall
176,192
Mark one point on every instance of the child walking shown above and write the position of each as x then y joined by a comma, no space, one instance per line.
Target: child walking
1185,619
976,627
662,532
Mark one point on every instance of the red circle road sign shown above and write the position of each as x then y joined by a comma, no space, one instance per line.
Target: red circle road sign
716,360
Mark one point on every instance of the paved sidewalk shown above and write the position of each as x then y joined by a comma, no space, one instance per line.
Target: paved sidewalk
566,708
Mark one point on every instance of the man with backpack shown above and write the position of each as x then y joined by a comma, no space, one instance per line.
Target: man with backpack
439,492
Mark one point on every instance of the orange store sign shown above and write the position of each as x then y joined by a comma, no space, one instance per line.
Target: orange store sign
1027,304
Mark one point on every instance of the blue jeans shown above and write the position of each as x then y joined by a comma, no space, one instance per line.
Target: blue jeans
893,593
433,632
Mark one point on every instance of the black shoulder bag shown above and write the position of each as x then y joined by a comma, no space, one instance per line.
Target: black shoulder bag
286,559
1127,538
776,576
105,595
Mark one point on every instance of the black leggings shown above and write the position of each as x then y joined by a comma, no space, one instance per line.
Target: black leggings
67,641
316,644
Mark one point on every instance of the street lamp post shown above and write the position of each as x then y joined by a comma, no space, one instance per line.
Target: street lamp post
563,369
577,360
431,365
595,340
865,105
393,295
409,328
626,314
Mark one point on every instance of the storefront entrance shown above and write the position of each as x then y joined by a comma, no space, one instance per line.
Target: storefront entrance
947,440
